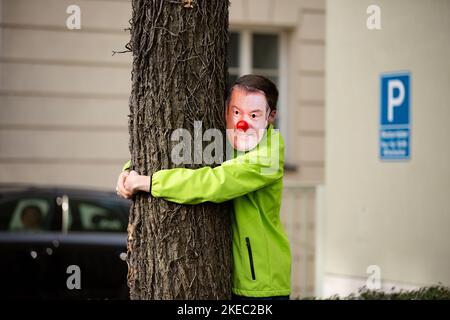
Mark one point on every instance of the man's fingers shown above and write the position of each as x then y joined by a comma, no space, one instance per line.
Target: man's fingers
120,188
124,194
123,191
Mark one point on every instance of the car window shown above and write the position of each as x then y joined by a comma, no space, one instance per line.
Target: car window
30,214
96,216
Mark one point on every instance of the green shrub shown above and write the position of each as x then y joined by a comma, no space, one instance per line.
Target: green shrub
436,292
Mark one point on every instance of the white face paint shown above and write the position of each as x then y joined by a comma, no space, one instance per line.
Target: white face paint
247,118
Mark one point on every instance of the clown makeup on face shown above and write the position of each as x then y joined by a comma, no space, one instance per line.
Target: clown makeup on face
247,118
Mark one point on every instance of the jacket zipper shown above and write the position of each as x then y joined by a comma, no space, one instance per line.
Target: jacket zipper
249,248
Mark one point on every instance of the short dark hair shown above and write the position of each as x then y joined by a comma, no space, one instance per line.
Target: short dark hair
32,208
253,83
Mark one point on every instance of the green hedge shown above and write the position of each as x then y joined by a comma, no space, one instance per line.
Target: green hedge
436,292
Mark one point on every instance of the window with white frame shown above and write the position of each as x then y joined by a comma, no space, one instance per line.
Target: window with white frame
260,52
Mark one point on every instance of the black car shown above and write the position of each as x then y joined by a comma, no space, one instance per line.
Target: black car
62,243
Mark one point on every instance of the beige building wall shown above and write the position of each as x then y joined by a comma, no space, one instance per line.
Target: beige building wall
63,96
394,215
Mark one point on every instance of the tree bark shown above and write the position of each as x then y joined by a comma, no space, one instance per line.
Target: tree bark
178,77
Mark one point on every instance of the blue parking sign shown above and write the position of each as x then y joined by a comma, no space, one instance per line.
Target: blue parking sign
395,126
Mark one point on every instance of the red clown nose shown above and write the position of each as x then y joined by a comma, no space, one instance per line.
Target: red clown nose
242,125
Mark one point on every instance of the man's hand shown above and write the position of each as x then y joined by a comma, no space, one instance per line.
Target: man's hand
120,188
135,183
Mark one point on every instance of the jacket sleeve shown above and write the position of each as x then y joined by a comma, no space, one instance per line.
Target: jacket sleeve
127,166
232,179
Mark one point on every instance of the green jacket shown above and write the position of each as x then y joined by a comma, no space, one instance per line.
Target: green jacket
254,181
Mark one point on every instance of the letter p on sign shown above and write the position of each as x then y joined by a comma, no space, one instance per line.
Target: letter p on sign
394,100
395,126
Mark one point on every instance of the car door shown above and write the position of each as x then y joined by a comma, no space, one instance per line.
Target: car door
91,257
26,241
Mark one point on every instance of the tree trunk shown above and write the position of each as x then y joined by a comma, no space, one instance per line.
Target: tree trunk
179,76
